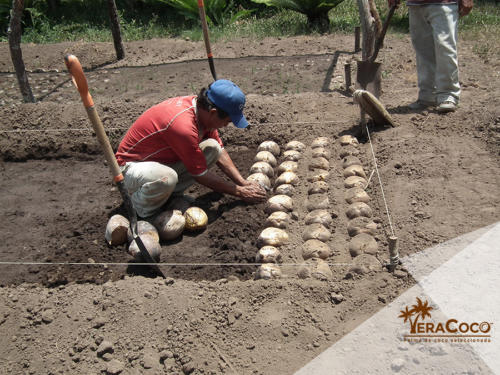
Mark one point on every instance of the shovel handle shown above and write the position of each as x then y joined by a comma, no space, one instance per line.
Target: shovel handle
206,38
380,39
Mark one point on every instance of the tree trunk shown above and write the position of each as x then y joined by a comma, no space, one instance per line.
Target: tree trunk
367,29
14,35
115,29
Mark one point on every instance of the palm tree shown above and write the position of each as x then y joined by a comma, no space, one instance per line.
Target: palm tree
422,310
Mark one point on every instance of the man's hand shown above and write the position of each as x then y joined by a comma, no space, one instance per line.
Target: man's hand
464,7
252,192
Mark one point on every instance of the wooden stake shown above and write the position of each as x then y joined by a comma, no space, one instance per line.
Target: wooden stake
393,252
347,74
357,39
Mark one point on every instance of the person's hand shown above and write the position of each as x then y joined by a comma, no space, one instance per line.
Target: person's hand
464,7
392,3
252,192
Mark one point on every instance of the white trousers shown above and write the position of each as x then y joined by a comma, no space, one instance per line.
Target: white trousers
150,183
434,32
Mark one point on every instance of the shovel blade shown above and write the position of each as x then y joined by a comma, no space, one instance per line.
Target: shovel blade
369,76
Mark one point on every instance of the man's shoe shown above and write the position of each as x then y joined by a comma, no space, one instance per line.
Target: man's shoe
420,105
447,106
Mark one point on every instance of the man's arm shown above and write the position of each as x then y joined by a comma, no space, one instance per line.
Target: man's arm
225,163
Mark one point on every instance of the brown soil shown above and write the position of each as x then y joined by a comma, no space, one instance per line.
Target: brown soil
440,176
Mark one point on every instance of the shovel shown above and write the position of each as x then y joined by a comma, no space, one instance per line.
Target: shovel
78,77
369,72
210,56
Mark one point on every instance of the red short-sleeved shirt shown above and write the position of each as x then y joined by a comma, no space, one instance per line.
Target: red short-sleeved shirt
167,133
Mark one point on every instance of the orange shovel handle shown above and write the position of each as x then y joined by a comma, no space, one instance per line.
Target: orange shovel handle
78,77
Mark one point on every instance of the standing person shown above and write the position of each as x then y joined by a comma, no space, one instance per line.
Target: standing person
173,144
434,32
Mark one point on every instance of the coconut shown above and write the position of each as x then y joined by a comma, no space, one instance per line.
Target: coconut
170,224
321,270
267,157
348,150
278,219
346,140
287,178
261,179
320,216
318,187
356,194
272,237
270,146
363,243
152,246
354,170
361,224
144,227
320,142
318,176
319,163
196,219
268,254
279,202
320,152
350,160
285,189
116,230
295,145
317,202
288,166
315,249
292,155
316,231
358,209
268,271
262,167
355,181
368,262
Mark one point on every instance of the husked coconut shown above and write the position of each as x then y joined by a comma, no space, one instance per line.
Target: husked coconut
278,219
358,209
319,163
350,160
315,249
152,246
268,254
292,155
295,145
318,187
348,150
270,146
320,216
356,194
144,227
369,262
279,202
361,224
268,271
289,178
262,167
320,152
321,270
267,157
261,179
316,231
170,224
196,219
272,237
361,244
288,166
355,181
285,189
354,170
317,202
320,142
116,230
346,140
318,176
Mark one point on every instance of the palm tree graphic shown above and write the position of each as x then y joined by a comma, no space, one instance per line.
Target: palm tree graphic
420,310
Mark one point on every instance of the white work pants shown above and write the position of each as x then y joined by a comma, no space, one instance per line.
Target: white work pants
434,32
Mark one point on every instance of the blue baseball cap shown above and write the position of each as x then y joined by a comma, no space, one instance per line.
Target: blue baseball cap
229,97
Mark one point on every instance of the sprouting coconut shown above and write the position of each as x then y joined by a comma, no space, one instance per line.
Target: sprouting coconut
350,160
356,194
320,142
278,219
262,167
354,170
272,237
355,181
268,254
316,231
320,216
318,175
289,178
285,189
295,145
348,150
357,209
315,249
268,271
196,219
144,227
363,243
152,245
317,202
319,163
361,224
261,179
318,187
116,230
270,146
321,152
170,224
267,157
279,202
292,155
346,140
288,166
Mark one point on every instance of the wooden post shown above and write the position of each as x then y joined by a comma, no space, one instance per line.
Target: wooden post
115,29
367,29
357,39
14,35
393,252
347,73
